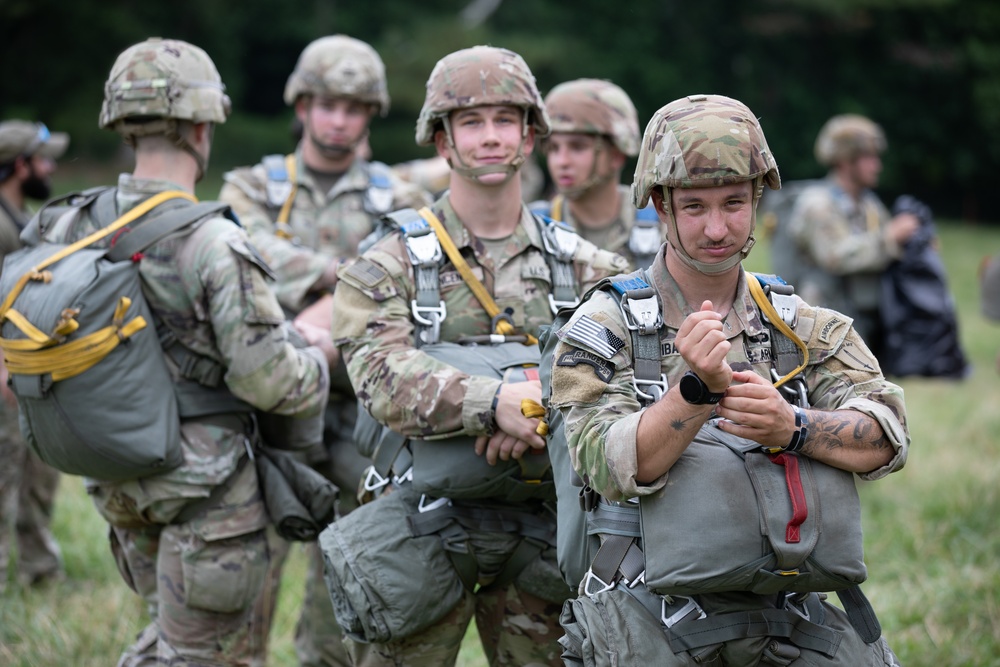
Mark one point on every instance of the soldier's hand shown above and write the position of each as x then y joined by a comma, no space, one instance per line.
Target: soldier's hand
756,410
502,446
702,343
902,227
511,420
321,339
319,314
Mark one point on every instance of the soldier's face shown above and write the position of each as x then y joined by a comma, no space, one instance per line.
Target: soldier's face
574,158
484,136
865,170
37,183
335,126
712,223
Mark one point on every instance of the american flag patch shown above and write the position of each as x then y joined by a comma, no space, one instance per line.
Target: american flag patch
595,336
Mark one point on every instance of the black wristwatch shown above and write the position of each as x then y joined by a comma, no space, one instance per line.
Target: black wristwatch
695,391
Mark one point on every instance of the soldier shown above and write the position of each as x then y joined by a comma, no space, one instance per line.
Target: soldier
308,212
504,274
680,404
28,154
845,235
595,129
191,541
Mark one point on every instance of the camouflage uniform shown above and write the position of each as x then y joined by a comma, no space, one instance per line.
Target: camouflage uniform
324,227
208,285
844,250
27,485
602,409
415,395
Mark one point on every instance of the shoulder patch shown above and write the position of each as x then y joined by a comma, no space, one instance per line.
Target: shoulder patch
828,332
366,272
603,368
596,336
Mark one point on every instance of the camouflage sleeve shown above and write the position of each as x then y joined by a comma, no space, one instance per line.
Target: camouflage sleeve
408,195
594,392
402,387
594,264
296,267
843,374
826,234
226,279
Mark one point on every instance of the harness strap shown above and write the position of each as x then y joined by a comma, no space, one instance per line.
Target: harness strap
560,242
720,628
776,320
860,613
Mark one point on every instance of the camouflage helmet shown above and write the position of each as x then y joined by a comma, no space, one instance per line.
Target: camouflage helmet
700,141
847,136
703,141
593,106
480,76
162,79
340,66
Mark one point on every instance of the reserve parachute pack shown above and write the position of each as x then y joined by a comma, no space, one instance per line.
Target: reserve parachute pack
787,525
80,343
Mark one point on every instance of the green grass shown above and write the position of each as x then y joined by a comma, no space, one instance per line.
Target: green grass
931,536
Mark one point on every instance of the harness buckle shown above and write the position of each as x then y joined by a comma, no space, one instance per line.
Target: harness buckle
436,503
373,480
794,389
656,388
556,305
590,577
682,613
422,245
430,316
797,607
641,314
560,240
405,477
785,306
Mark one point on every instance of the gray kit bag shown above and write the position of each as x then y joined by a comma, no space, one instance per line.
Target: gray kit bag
93,389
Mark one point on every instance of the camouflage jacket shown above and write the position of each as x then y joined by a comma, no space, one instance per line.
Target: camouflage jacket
405,388
602,412
843,247
209,287
326,226
614,236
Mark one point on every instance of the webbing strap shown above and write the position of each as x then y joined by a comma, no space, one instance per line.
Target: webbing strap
155,229
284,231
860,613
757,292
720,628
503,327
796,494
37,272
556,212
560,243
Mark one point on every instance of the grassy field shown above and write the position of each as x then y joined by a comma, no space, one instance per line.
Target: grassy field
931,533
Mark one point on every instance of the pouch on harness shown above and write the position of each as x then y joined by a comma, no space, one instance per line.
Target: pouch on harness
773,523
81,348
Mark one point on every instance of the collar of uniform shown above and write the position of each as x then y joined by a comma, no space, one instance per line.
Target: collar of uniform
354,179
743,316
525,235
133,190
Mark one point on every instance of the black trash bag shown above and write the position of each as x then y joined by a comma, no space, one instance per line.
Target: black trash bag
919,322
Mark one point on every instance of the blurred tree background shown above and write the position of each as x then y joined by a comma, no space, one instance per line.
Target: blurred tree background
927,70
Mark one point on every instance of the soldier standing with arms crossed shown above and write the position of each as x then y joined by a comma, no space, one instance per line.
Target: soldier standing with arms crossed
28,154
595,129
483,113
191,541
308,212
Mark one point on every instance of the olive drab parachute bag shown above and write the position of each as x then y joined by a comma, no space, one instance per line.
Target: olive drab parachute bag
80,343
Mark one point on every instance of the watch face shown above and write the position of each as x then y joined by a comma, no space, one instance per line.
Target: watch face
692,388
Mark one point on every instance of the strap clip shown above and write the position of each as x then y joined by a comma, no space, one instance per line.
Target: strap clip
680,614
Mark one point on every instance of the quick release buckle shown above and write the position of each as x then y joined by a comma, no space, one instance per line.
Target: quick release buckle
591,577
682,613
430,316
641,310
656,388
786,307
422,244
556,305
560,240
429,505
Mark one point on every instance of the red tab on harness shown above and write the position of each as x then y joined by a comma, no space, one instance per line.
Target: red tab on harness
800,510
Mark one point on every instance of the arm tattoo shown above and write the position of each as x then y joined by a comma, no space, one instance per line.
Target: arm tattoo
861,431
681,424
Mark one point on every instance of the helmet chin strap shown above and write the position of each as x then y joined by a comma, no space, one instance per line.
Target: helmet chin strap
714,268
474,173
593,180
335,152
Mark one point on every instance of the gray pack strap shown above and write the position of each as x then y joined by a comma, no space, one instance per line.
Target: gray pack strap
560,242
424,251
640,308
156,227
860,613
196,400
689,634
608,518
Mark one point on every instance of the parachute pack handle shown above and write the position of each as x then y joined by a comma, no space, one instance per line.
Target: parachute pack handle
38,273
503,326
